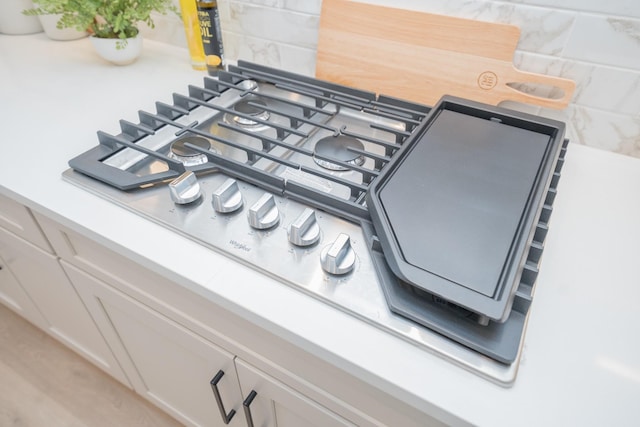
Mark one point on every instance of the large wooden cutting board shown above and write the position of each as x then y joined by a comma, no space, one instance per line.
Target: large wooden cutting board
422,56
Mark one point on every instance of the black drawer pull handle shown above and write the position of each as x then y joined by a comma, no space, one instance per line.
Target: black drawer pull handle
246,406
214,386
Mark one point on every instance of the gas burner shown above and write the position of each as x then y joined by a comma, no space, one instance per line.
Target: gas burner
189,157
251,106
248,85
337,148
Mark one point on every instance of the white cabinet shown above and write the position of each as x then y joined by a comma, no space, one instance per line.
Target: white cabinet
174,367
166,363
34,285
171,341
273,404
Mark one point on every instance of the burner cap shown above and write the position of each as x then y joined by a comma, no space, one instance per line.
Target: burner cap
337,148
245,107
250,107
247,85
179,151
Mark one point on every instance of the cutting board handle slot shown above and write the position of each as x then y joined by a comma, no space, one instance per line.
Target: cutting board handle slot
550,91
536,89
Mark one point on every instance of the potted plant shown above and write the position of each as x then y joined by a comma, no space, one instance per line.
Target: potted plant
113,24
49,13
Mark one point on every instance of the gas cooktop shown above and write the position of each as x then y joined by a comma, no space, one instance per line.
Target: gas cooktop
428,223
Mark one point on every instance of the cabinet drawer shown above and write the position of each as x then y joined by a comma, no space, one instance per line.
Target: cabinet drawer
105,264
18,219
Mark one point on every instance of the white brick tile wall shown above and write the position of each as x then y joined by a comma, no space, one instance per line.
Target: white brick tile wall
605,40
274,24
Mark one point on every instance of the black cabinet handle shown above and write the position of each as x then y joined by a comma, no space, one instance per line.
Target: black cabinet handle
214,386
246,406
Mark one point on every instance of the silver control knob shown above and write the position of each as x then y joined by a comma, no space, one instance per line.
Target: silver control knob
338,257
185,188
305,230
227,198
264,213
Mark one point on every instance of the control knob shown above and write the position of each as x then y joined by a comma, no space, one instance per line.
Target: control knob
264,213
185,188
338,257
305,231
227,198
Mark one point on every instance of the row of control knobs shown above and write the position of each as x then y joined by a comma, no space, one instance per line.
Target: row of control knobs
336,258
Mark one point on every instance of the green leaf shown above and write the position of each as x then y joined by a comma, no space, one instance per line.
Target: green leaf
105,18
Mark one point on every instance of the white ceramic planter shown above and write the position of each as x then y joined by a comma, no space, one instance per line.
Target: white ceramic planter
107,49
12,21
49,23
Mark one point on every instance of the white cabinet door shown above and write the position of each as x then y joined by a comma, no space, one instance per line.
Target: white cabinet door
270,403
13,296
66,318
167,363
18,219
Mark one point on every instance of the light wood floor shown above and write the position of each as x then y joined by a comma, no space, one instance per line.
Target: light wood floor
42,383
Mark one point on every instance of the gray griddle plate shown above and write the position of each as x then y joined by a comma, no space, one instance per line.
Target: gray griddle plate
456,210
454,216
457,201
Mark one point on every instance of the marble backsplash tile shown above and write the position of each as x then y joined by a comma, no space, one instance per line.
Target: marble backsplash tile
275,24
600,129
628,8
605,40
267,52
594,43
306,6
541,30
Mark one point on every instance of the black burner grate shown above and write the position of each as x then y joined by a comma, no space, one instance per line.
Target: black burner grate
327,99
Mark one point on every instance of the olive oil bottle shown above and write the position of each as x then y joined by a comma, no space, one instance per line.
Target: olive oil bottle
211,34
189,12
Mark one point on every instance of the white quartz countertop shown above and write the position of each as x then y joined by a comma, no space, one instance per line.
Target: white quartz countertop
581,359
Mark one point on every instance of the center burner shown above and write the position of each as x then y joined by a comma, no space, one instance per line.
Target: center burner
189,157
250,108
338,148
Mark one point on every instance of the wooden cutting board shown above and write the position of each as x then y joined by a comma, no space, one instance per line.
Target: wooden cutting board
421,56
